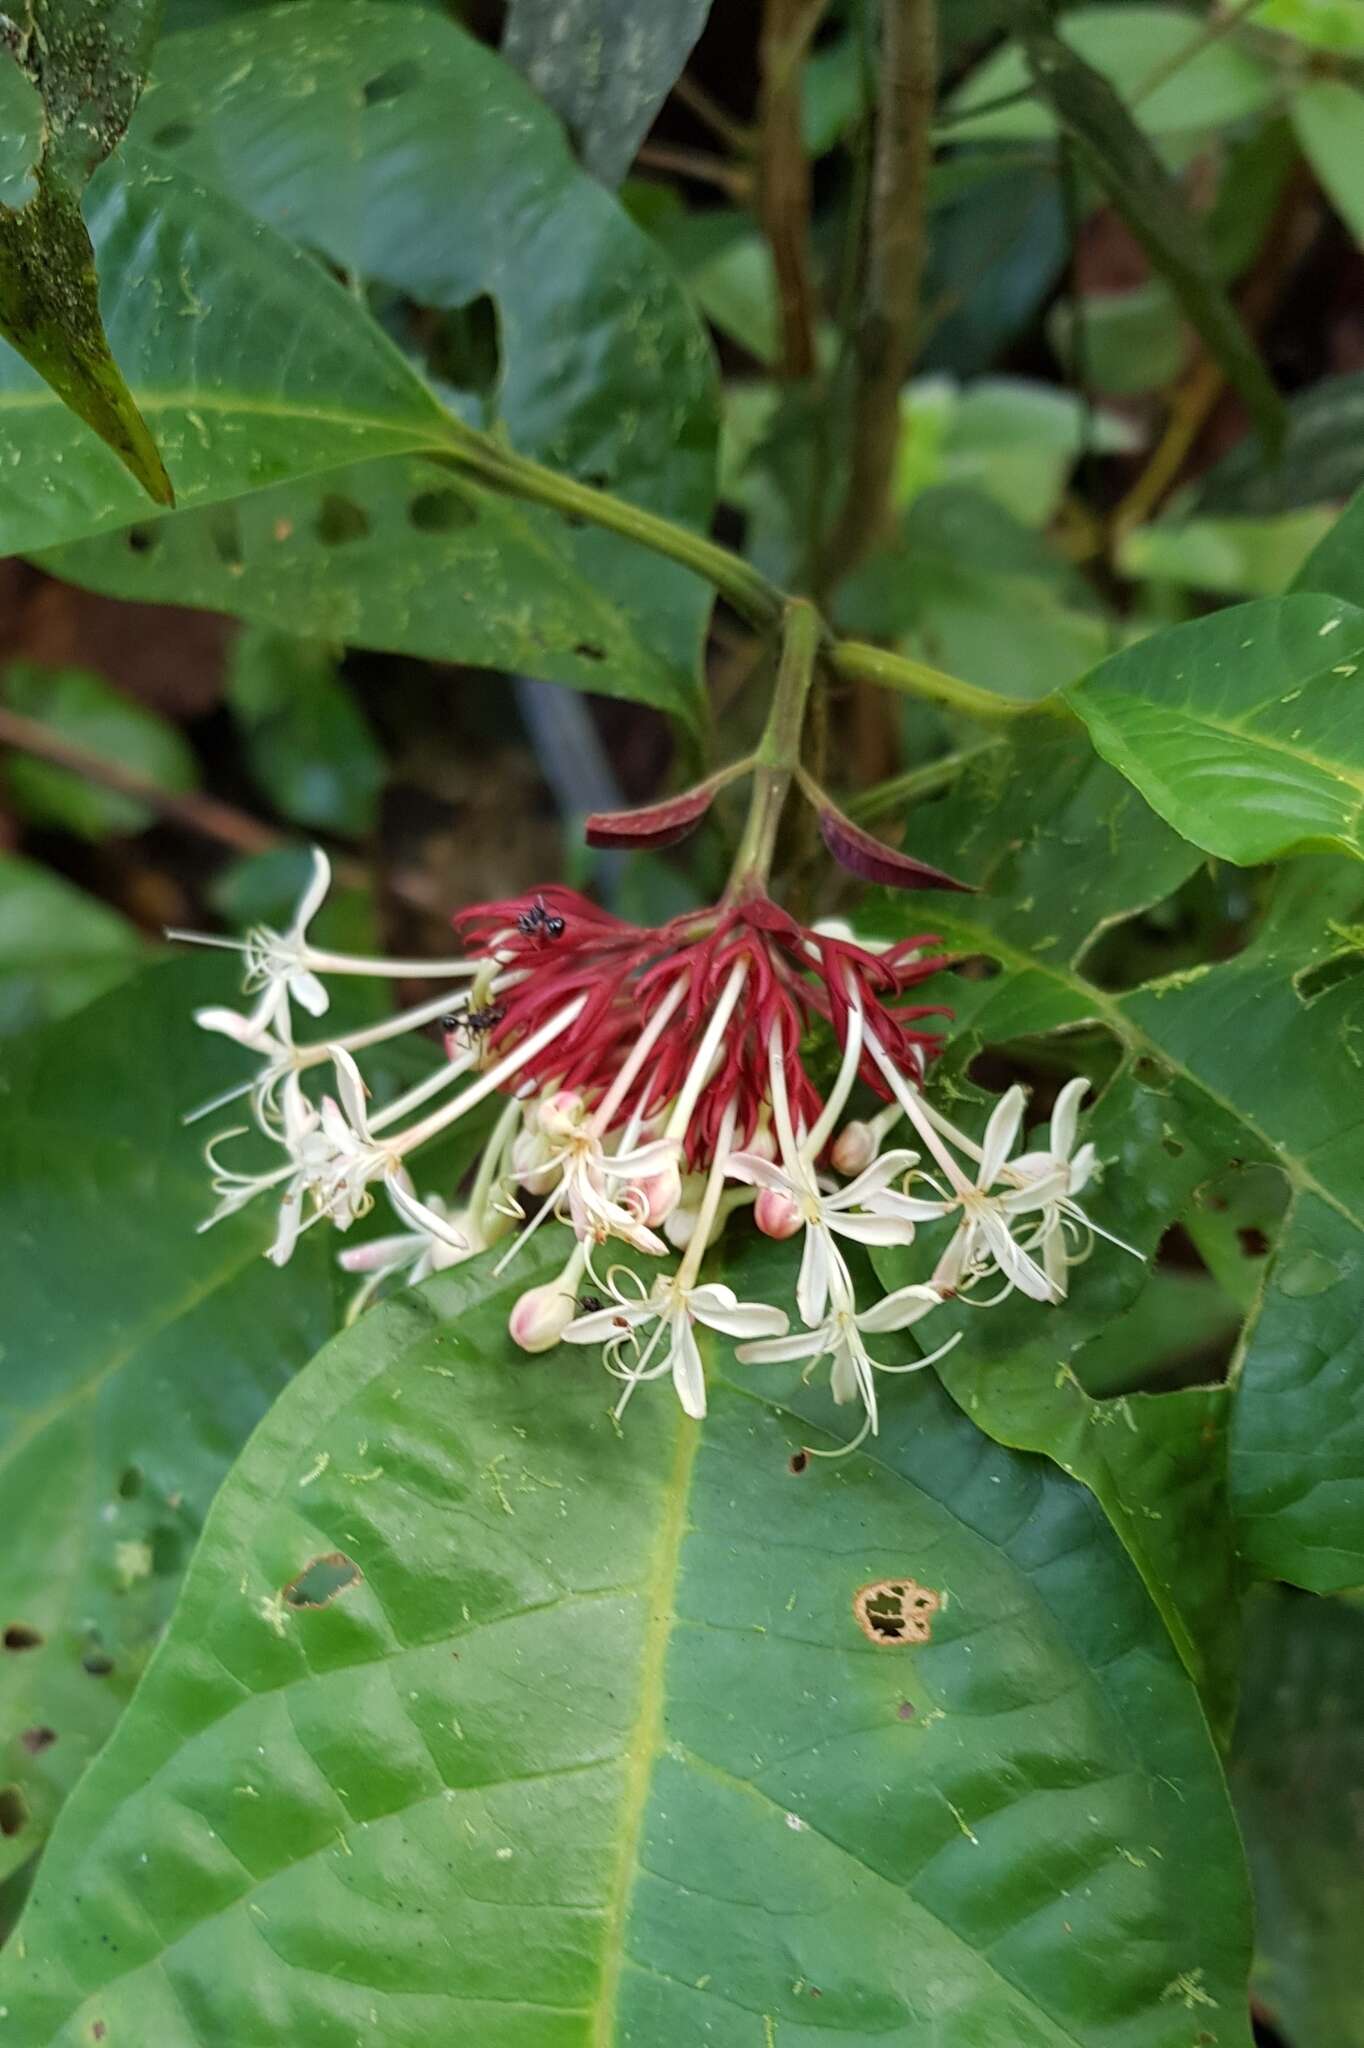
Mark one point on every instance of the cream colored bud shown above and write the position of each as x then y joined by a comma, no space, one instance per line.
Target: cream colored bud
541,1316
853,1149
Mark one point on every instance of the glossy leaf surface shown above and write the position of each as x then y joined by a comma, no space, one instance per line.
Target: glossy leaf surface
588,1746
605,66
412,158
1244,730
1251,1060
196,298
87,59
138,1357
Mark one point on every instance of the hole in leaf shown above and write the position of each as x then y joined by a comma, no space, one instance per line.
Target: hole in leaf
1149,1073
341,520
172,135
142,539
1173,1147
391,84
13,1811
976,967
905,1711
98,1663
36,1740
589,650
895,1611
1324,975
465,347
319,1583
1253,1241
226,536
19,1636
130,1482
799,1461
441,511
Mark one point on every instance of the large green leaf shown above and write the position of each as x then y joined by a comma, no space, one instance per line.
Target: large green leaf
605,66
198,297
587,1745
1298,1764
1322,457
1336,563
1256,1059
59,948
138,1357
1328,115
1243,729
87,59
414,159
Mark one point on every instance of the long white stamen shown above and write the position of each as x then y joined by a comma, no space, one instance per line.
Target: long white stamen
422,1091
781,1106
912,1104
643,1046
699,1072
710,1202
492,1081
847,1074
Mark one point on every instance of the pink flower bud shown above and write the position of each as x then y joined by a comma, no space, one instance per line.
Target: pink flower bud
562,1116
853,1149
541,1316
660,1193
531,1163
776,1214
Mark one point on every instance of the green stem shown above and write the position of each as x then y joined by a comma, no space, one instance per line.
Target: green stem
859,660
746,588
778,751
916,782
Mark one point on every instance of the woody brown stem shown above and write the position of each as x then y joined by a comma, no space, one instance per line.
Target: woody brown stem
784,176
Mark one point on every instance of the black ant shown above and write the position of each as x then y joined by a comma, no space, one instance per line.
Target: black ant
539,923
589,1304
471,1024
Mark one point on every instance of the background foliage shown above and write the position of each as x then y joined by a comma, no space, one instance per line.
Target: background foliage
577,1738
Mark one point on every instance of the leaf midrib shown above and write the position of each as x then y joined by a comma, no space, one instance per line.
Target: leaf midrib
1335,772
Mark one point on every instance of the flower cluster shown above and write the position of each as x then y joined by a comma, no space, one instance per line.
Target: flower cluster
653,1081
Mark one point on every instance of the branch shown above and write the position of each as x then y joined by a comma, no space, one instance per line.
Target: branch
895,259
784,175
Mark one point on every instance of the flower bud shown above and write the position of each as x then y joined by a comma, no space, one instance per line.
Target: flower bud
660,1193
541,1316
853,1149
762,1144
562,1116
776,1214
532,1165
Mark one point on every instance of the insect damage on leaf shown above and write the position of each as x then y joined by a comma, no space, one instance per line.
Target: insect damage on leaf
895,1611
321,1581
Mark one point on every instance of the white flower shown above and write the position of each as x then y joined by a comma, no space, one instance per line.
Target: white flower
867,1210
1065,1235
599,1194
673,1307
840,1337
278,964
300,1134
356,1155
984,1240
416,1253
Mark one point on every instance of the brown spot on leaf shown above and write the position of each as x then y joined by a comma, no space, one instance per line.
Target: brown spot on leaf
13,1810
890,1611
799,1461
36,1740
19,1636
320,1581
905,1710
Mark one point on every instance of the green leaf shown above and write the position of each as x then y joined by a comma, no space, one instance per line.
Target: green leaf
138,1358
88,62
83,708
416,160
59,948
1132,341
605,66
1233,557
1328,116
970,590
1335,563
310,746
198,295
1254,1061
1321,24
1322,457
1300,1744
21,133
1242,729
1136,182
590,1746
1127,46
